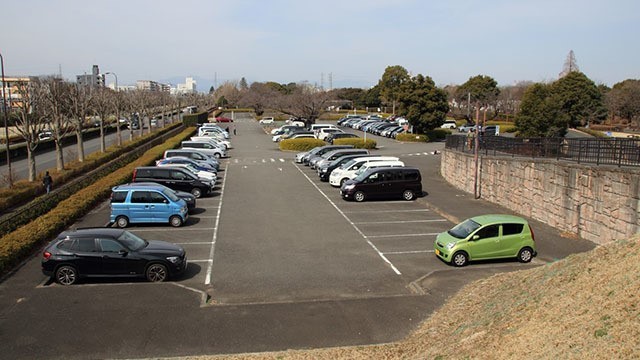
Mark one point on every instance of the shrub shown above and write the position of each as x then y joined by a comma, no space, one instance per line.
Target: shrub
195,119
300,144
357,143
437,134
412,138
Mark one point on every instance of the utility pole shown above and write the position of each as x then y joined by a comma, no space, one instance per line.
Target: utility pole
6,118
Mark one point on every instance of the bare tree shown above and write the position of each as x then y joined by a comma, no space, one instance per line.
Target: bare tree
79,99
229,91
31,118
55,93
141,101
102,108
304,102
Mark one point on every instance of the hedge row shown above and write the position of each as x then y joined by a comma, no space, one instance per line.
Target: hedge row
412,138
300,144
357,143
24,190
17,245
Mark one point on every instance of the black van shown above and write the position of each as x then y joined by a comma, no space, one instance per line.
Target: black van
175,178
390,182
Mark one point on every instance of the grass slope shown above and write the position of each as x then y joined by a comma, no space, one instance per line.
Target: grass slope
586,306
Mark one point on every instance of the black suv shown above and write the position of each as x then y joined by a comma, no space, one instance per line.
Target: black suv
109,252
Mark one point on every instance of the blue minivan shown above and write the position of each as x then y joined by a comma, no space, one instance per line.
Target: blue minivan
133,203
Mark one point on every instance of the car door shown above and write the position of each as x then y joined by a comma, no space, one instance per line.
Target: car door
139,209
115,257
159,207
512,239
485,242
88,259
372,186
391,184
181,181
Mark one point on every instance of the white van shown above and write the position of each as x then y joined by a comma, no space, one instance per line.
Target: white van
347,170
316,127
378,164
225,144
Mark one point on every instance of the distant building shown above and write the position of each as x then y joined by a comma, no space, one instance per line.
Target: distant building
12,95
150,85
189,87
93,80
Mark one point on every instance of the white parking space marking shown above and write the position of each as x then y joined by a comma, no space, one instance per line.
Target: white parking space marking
207,279
400,235
385,211
352,224
172,229
400,221
408,252
200,261
194,243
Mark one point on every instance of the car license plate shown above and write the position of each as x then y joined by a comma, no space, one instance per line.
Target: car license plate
437,252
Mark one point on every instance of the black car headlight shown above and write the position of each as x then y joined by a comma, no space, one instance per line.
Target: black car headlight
174,259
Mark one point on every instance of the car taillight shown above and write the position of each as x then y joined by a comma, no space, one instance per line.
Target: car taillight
46,255
134,174
533,237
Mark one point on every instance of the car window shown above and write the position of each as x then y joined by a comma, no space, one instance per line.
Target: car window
411,175
512,229
118,196
170,194
132,241
375,177
110,245
464,229
157,198
489,231
79,245
140,197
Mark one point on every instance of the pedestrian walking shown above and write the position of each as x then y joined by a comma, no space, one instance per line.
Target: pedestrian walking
47,181
234,130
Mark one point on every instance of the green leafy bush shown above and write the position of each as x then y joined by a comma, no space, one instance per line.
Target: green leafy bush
437,134
358,143
412,138
300,144
195,119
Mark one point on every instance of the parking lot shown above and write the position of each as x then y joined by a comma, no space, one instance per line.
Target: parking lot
277,260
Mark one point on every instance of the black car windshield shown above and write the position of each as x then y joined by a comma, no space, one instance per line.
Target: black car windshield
464,229
170,194
132,241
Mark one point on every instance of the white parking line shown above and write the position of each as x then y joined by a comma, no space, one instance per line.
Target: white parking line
207,280
195,243
408,252
200,261
400,221
400,235
172,229
352,224
385,211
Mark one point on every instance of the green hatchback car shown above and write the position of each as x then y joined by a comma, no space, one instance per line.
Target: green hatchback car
486,237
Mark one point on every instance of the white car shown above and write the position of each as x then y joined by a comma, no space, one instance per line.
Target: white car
347,170
324,132
210,177
448,124
266,120
225,144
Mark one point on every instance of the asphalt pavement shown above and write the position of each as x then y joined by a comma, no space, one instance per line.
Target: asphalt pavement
277,261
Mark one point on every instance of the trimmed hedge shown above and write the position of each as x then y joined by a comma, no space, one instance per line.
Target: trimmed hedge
300,144
195,119
412,138
437,134
357,143
19,244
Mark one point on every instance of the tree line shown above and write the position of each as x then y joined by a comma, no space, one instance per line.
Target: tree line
537,109
60,108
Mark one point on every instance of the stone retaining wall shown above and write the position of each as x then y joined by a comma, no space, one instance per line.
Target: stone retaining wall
597,203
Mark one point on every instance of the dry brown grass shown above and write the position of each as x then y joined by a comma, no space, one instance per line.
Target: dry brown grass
586,306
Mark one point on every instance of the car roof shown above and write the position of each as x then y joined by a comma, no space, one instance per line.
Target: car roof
498,218
143,185
115,232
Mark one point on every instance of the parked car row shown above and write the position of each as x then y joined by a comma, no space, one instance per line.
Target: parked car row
375,125
165,193
361,175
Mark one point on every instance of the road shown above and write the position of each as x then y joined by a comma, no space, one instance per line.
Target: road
277,261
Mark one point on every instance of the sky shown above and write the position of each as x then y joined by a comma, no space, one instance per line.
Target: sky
350,42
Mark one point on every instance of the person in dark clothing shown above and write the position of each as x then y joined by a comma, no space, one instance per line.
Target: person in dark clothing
47,181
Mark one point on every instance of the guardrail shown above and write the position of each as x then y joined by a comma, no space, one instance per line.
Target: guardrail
598,151
23,214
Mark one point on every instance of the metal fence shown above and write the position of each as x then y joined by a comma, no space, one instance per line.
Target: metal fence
599,151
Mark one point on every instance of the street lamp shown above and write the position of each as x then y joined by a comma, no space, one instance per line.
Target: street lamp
6,117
